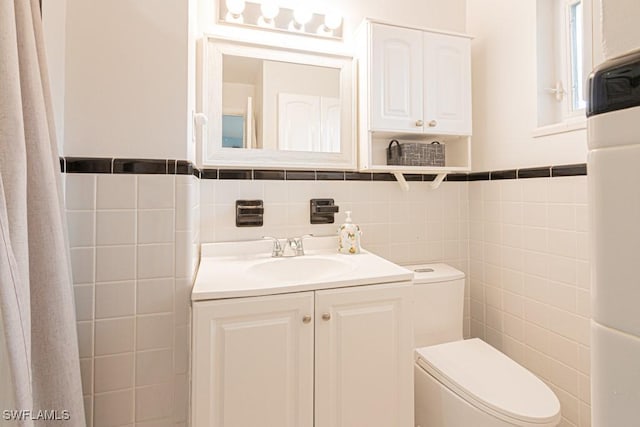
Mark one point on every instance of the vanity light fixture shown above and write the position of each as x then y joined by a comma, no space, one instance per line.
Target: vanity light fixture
234,11
301,17
269,10
305,18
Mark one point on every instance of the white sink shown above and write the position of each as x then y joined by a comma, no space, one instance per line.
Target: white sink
293,269
239,269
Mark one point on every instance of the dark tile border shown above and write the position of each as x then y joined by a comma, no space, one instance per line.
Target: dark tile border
506,174
269,174
300,175
87,165
330,175
544,172
569,170
140,166
235,174
184,167
479,176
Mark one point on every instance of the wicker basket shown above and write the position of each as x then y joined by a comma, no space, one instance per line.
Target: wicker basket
415,154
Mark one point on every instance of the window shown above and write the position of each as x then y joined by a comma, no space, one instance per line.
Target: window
564,61
575,52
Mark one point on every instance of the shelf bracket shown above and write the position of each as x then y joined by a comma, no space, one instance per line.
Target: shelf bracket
403,182
439,178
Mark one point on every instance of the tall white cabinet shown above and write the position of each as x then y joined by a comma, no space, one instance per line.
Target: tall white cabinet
337,357
414,85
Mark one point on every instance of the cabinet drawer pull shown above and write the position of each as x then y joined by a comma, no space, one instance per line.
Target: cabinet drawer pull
419,123
433,123
326,316
306,318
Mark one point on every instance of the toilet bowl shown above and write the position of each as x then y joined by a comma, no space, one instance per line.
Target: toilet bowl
467,383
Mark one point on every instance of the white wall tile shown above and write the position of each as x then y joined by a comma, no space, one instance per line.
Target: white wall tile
113,409
86,374
83,265
155,261
113,372
81,228
154,331
116,191
155,192
153,402
154,367
115,299
116,227
154,296
115,263
85,338
155,226
80,191
83,295
114,336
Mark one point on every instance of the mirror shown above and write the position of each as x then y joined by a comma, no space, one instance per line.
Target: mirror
277,108
280,105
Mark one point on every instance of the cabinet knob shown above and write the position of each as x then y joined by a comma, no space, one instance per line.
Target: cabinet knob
306,318
326,316
433,123
419,123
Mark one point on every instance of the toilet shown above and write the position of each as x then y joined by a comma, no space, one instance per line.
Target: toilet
467,383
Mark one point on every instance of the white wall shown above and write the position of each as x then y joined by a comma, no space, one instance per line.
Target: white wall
128,68
620,29
504,91
125,81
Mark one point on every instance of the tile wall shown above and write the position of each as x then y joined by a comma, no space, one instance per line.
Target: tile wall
134,241
134,253
530,280
421,225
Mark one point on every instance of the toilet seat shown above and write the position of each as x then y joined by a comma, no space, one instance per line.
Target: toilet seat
491,381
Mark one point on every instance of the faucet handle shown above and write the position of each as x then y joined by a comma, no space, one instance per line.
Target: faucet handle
277,247
297,245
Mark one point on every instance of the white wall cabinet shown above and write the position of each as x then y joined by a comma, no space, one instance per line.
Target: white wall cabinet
343,354
414,84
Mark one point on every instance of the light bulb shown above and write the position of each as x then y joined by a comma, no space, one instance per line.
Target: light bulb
235,7
269,9
332,20
302,14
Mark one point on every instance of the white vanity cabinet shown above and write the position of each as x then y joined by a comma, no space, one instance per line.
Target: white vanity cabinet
253,361
414,84
344,355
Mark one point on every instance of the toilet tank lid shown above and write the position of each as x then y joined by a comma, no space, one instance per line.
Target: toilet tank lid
433,273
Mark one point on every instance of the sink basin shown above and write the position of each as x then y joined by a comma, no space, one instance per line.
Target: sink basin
243,269
303,267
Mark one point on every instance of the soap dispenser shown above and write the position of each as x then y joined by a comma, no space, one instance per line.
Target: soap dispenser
349,237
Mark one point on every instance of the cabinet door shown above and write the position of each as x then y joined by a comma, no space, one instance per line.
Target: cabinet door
253,362
396,79
364,362
447,76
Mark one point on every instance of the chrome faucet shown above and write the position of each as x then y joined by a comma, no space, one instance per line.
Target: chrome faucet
292,248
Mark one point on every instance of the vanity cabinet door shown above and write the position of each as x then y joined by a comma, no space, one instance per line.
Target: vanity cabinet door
364,357
396,79
253,362
447,77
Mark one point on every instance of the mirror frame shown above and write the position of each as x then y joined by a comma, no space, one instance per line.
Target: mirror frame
214,155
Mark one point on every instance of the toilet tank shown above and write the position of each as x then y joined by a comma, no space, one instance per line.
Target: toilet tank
438,304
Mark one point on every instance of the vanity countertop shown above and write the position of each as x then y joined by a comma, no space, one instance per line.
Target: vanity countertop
241,269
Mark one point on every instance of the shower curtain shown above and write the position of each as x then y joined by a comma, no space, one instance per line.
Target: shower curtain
40,356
